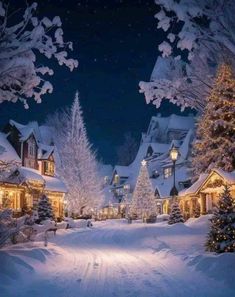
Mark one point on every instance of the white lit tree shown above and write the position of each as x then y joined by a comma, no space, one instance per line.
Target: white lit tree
78,168
175,215
21,77
215,142
143,204
221,237
198,35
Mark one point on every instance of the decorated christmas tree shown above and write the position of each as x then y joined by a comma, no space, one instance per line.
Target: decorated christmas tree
143,203
44,208
175,215
221,237
215,141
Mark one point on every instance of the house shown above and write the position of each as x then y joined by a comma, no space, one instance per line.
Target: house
31,169
162,134
204,194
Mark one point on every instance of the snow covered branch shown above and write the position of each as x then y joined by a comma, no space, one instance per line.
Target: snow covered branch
20,76
203,32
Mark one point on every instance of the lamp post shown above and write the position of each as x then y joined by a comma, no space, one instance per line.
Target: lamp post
126,198
174,153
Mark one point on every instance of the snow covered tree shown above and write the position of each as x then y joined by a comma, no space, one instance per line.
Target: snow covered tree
221,237
143,204
175,215
20,43
128,150
44,208
215,144
79,168
199,34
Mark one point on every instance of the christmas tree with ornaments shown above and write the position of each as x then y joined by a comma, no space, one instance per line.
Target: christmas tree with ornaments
143,205
221,237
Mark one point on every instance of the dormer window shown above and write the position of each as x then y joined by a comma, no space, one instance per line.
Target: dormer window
49,168
31,147
167,172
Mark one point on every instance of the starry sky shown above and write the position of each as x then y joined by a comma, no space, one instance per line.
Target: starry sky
116,45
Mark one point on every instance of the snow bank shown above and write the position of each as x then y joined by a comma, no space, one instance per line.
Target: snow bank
201,222
76,223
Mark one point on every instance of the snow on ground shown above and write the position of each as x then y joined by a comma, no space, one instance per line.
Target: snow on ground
115,259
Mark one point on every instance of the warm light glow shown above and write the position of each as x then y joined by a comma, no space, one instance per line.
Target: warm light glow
174,153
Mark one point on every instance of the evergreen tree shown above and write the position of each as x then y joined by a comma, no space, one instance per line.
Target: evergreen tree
143,203
78,168
215,144
44,208
221,237
175,215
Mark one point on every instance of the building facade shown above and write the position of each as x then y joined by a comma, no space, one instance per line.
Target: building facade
28,170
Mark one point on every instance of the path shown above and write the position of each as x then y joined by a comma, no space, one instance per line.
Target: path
115,260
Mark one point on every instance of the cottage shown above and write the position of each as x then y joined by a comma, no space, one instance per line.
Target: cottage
29,170
203,195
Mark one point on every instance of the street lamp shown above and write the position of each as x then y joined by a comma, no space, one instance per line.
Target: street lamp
126,198
174,153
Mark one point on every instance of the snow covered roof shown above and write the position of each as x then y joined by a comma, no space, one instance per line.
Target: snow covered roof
164,185
54,184
31,174
105,170
122,171
195,187
25,130
177,122
45,151
159,148
228,176
7,152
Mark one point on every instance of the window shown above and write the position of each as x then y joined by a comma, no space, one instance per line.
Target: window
167,172
31,147
49,168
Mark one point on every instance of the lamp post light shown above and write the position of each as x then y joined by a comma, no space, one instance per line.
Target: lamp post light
174,154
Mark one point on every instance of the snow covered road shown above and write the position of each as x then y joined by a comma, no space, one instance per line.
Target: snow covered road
114,260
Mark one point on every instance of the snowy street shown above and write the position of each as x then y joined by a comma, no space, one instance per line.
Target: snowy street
117,259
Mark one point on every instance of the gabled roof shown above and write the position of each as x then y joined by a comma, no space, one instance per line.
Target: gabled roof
45,151
164,185
229,177
195,187
25,130
7,152
122,171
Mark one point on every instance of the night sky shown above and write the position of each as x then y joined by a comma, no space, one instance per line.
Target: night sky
116,45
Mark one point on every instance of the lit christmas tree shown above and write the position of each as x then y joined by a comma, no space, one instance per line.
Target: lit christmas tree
215,144
221,237
44,208
143,203
175,215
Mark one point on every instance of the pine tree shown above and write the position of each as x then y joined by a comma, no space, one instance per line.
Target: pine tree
221,237
44,208
143,203
79,168
175,215
215,144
